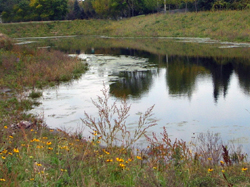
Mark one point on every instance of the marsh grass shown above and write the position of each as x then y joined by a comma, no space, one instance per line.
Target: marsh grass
22,67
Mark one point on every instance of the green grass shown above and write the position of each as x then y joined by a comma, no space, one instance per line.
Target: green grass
222,25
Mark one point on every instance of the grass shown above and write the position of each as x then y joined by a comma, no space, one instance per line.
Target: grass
22,67
221,25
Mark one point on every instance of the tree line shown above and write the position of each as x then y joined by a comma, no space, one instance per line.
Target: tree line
43,10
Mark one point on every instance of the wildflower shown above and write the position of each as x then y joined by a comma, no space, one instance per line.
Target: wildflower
38,164
98,142
50,148
210,170
119,159
122,165
31,130
4,151
45,138
22,144
99,137
10,153
5,127
51,130
209,158
31,157
63,170
95,133
3,180
129,159
3,157
139,158
223,171
221,162
154,167
106,152
15,150
49,143
243,169
109,160
31,179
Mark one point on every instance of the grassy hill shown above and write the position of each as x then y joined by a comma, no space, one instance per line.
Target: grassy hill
222,25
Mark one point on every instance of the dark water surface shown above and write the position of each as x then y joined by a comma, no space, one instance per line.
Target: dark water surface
196,86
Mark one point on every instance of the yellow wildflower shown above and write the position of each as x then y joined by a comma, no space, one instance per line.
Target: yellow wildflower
4,151
45,138
221,162
50,148
10,153
22,144
5,127
209,158
122,165
210,169
3,180
243,169
109,160
119,159
31,130
223,171
38,164
154,167
31,179
3,157
49,143
15,150
138,157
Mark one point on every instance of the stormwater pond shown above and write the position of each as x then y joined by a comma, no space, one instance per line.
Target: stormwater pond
195,85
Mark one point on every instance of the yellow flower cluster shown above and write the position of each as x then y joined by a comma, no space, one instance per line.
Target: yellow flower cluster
119,159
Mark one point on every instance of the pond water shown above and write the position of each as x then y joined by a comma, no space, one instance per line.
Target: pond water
195,86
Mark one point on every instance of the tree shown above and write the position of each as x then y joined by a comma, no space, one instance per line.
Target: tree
77,10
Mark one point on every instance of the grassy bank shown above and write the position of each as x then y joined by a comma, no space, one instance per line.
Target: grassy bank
24,69
222,25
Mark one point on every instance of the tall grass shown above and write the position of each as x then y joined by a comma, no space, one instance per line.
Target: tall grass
22,66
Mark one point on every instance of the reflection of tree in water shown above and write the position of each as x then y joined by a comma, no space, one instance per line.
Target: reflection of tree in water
181,76
243,72
132,83
221,70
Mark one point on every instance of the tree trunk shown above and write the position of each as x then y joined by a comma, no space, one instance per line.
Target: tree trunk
165,7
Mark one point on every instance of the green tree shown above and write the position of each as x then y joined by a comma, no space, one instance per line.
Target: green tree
50,9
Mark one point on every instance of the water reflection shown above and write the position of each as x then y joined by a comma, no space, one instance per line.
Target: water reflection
132,84
182,74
